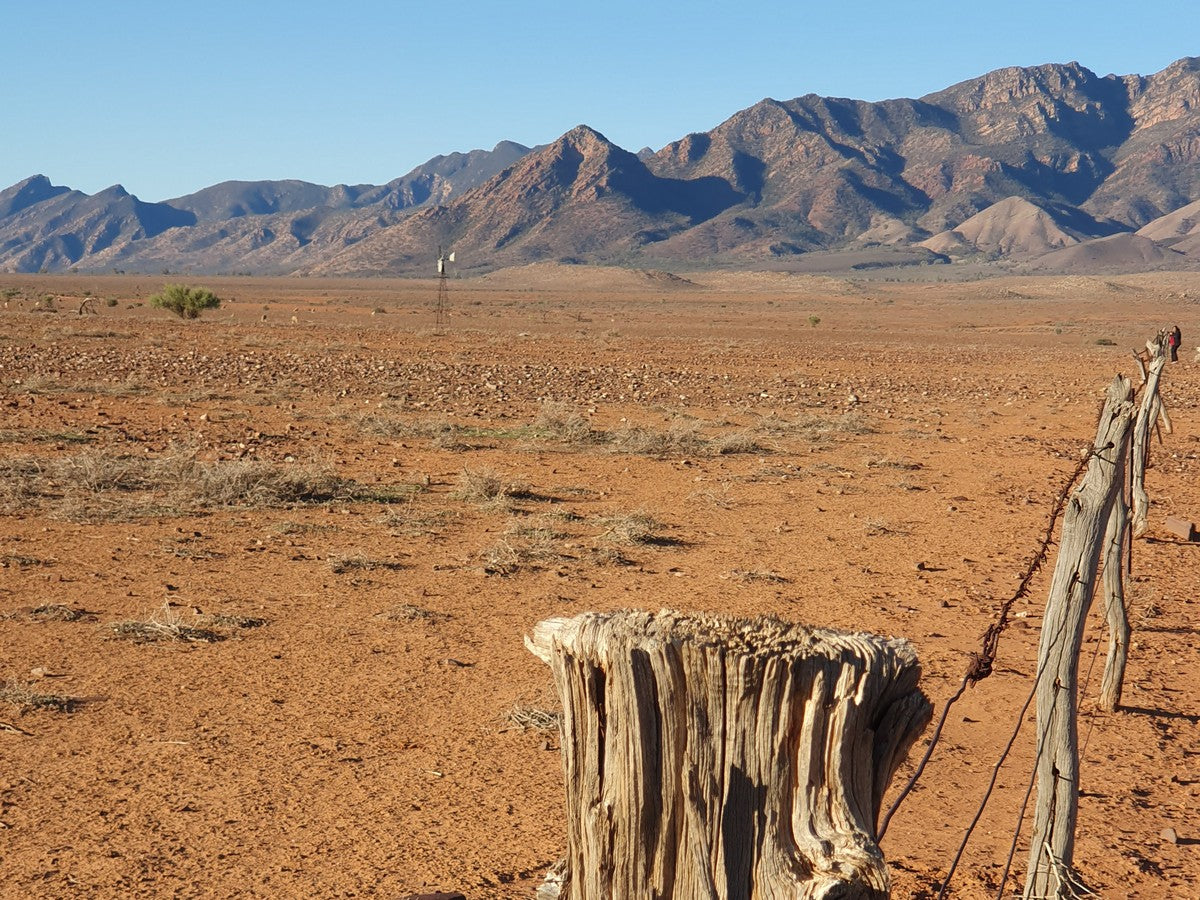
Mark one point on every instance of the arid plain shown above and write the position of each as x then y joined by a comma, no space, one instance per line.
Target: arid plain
265,575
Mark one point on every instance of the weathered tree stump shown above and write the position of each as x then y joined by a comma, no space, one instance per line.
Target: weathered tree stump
733,759
1086,521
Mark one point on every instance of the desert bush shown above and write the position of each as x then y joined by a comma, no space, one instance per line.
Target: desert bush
185,301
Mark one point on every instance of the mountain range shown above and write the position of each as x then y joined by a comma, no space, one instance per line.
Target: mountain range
1050,166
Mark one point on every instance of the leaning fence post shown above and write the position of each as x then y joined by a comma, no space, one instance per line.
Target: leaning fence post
1072,586
1115,610
725,758
1148,413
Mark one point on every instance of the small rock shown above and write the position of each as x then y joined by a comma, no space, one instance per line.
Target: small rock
1169,836
921,567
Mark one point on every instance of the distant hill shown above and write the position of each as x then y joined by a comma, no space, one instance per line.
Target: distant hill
1019,228
1014,166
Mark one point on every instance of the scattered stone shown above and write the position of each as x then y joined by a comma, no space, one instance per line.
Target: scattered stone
437,895
1181,527
1169,836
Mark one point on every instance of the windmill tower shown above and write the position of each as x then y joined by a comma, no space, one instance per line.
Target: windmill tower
443,294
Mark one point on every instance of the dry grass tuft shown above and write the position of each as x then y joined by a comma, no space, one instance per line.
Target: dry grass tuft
532,718
881,527
164,625
408,612
412,518
488,488
101,486
818,429
357,562
905,465
564,423
749,575
58,612
9,560
744,441
632,528
681,438
28,699
225,620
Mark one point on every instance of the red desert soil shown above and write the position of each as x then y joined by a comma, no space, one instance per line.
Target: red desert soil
370,515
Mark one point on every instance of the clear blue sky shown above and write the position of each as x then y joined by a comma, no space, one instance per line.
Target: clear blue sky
168,98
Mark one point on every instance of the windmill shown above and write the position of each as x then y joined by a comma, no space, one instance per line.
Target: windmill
443,294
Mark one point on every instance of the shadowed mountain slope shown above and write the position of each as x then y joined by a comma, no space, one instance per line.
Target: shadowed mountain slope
580,197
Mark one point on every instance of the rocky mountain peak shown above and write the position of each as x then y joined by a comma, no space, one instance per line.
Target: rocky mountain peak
26,193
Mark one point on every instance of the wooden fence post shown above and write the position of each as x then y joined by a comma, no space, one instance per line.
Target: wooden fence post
1115,610
1121,524
711,758
1085,521
1148,413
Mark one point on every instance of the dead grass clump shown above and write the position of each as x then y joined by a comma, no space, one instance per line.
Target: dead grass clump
486,487
632,528
417,519
294,528
720,499
502,558
748,575
9,560
27,699
744,441
532,718
59,612
526,544
820,429
880,527
564,423
906,465
261,484
357,562
100,486
409,612
227,620
165,625
681,438
608,556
